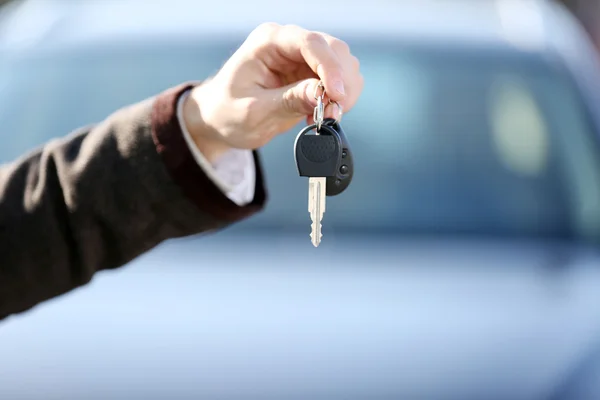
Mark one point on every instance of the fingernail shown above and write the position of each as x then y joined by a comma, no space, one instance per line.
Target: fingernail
339,86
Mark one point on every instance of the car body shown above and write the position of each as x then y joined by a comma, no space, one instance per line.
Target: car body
462,262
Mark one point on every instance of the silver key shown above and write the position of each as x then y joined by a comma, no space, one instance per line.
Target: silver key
316,208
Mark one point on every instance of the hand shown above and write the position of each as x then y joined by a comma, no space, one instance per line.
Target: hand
268,86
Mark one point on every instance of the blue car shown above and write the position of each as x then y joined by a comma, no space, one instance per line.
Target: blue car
462,263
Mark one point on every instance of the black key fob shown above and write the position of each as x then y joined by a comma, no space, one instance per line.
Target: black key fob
318,156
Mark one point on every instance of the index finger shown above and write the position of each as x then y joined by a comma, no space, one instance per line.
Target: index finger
312,48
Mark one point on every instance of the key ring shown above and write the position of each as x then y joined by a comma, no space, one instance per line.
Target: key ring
319,112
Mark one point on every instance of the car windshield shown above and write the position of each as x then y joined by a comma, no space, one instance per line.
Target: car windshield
446,141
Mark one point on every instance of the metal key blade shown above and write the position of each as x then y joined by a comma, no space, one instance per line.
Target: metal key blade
316,207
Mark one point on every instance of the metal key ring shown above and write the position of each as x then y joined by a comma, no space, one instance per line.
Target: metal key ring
338,119
319,112
321,86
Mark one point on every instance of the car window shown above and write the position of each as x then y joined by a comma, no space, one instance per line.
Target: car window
445,141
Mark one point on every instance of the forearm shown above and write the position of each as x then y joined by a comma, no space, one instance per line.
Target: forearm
99,198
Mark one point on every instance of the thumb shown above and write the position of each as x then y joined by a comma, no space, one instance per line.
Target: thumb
297,99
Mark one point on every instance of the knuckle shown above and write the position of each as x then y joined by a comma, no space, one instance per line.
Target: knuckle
293,103
249,112
311,39
288,102
339,46
266,31
292,27
267,27
355,63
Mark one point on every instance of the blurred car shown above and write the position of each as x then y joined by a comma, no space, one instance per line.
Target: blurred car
462,263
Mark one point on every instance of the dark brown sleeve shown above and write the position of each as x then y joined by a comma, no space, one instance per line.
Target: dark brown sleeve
100,197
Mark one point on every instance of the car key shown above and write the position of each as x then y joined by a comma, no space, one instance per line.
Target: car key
319,157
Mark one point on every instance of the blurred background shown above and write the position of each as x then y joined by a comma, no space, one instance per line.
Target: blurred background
462,263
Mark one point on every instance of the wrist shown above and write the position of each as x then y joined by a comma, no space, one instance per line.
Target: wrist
205,138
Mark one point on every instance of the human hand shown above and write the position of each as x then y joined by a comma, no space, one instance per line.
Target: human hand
268,86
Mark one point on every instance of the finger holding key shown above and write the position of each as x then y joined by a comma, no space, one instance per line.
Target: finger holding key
353,80
303,46
268,86
344,61
321,58
328,59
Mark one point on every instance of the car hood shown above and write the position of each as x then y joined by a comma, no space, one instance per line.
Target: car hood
271,317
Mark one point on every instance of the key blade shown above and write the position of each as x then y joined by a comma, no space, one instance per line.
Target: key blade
316,207
315,232
316,196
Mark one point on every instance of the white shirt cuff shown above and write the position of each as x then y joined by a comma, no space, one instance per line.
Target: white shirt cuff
234,172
